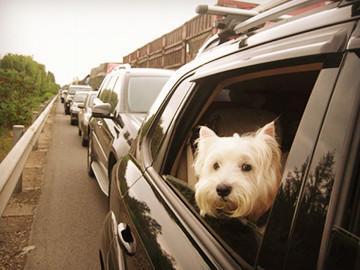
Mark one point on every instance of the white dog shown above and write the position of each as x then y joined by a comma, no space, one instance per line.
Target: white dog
237,176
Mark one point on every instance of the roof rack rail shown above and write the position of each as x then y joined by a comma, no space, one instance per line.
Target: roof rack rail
233,16
225,11
241,21
271,14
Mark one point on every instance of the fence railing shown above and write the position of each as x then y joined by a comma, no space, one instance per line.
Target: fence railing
12,166
175,48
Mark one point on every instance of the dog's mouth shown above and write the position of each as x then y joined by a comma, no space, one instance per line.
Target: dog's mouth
225,207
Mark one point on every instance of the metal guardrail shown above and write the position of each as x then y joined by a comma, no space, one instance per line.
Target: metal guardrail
13,164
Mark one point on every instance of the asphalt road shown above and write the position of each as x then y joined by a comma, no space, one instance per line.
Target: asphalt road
68,219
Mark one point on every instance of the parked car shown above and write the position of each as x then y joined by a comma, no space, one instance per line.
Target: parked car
125,97
71,93
63,94
302,71
84,117
75,106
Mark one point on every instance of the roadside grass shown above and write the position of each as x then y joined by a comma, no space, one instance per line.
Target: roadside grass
6,136
6,141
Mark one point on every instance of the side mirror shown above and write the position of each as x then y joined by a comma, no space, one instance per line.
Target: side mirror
101,109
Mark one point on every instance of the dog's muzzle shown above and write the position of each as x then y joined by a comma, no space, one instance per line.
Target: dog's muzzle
223,190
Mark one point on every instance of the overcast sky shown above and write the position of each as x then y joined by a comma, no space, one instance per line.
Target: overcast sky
72,36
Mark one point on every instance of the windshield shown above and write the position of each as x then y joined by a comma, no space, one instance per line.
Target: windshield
74,89
142,92
80,98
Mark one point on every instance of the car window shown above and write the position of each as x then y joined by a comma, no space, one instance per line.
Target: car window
74,89
344,242
142,91
237,103
80,97
90,100
167,113
107,94
330,205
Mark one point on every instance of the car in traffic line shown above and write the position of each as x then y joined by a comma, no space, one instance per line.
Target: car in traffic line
71,93
84,117
124,98
76,103
63,93
300,71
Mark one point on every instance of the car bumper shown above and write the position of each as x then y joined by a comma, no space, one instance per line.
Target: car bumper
74,115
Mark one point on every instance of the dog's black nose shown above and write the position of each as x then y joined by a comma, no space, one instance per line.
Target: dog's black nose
223,190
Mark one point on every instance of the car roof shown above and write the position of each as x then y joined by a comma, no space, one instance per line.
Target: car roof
145,71
79,86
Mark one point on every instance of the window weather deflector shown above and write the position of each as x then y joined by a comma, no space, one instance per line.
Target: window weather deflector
318,42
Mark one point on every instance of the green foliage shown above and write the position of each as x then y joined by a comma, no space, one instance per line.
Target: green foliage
6,142
24,84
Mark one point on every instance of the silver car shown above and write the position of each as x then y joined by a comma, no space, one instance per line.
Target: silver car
124,99
73,89
84,117
75,104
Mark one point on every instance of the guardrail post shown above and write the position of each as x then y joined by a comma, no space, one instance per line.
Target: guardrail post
34,116
18,131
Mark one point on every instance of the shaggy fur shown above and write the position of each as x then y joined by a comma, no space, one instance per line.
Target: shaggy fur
237,176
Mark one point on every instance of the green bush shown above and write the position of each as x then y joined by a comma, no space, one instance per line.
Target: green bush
24,85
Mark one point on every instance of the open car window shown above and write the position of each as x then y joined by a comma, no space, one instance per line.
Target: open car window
239,103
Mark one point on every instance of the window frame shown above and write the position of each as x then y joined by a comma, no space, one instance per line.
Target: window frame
343,180
147,139
170,136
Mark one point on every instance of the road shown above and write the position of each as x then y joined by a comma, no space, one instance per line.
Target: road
68,219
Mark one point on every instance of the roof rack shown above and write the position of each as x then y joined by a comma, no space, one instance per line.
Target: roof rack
234,16
271,14
242,21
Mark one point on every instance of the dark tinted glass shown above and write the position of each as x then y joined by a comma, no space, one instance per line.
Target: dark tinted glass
274,247
326,166
161,126
106,93
344,252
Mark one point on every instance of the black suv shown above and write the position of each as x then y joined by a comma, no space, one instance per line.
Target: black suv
124,98
302,71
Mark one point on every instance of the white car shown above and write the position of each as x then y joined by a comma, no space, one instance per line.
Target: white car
78,100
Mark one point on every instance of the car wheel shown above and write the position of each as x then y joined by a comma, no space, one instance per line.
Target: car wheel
84,142
72,121
89,158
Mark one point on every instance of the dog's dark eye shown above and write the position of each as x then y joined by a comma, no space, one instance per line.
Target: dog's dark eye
246,167
216,166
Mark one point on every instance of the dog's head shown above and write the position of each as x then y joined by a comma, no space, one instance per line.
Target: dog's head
237,176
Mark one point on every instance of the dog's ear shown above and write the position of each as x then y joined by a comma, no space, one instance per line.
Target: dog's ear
268,129
206,132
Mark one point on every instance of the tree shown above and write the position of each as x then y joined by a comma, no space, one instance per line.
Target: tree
24,84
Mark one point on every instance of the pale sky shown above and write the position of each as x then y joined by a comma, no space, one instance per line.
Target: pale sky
72,36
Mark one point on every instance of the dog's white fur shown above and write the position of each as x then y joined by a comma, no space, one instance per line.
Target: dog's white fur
252,191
